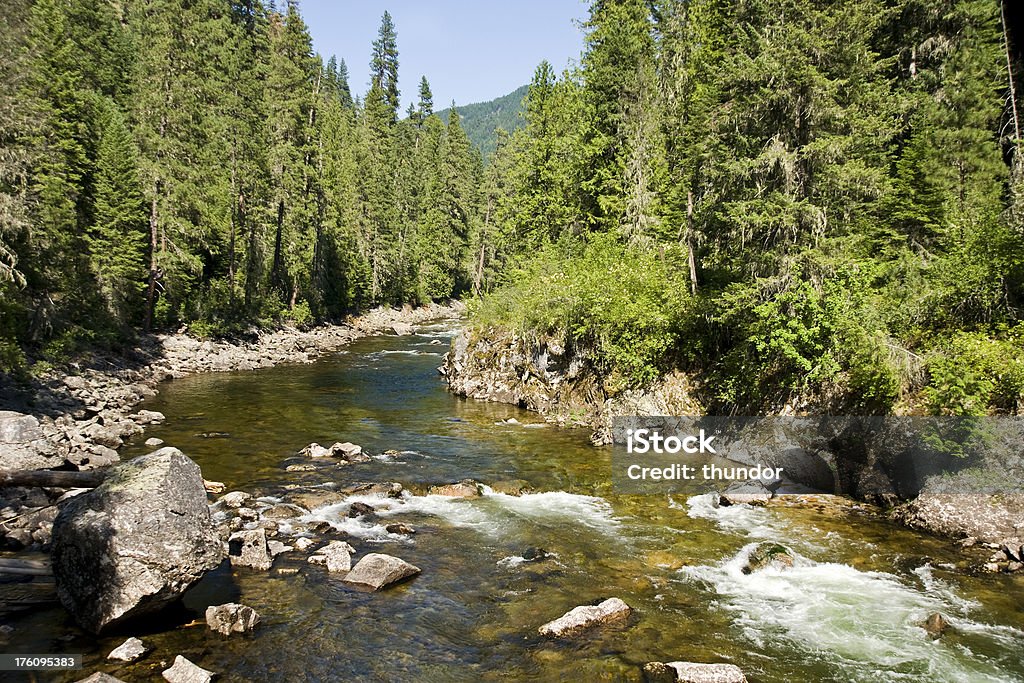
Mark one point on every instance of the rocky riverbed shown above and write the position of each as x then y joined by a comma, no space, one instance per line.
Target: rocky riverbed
77,417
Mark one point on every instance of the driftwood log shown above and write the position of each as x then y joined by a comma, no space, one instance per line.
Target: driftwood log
66,479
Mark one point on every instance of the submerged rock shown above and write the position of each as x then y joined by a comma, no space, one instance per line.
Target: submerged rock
231,618
768,555
128,651
336,556
358,509
691,672
399,528
135,543
467,488
184,671
750,493
586,616
935,625
249,549
377,570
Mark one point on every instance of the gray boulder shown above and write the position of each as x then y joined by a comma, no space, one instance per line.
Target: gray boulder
128,651
22,443
135,543
249,549
184,671
692,672
231,618
377,570
467,488
336,556
586,616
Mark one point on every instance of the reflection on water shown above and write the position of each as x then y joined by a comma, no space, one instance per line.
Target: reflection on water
498,566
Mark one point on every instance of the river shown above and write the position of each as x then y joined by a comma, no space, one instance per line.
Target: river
848,610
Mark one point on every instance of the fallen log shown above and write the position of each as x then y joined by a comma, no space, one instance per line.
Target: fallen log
65,479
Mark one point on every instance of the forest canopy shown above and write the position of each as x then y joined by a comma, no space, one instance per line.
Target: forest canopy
793,200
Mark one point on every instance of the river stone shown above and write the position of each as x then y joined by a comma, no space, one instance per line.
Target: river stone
935,625
750,493
100,677
315,450
585,616
249,549
359,509
134,544
349,451
231,618
184,671
402,329
336,556
467,488
304,543
147,417
377,570
235,499
283,511
691,672
311,500
128,651
768,555
153,442
513,487
22,443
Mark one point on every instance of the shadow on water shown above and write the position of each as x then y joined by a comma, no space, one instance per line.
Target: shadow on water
496,567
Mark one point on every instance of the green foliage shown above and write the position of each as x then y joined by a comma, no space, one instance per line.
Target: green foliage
565,293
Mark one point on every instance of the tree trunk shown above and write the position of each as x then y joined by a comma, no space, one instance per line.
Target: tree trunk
689,243
55,478
151,289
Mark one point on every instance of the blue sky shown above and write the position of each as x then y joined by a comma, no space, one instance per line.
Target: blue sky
470,51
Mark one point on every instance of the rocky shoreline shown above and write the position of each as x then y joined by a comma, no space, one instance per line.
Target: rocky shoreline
567,388
77,417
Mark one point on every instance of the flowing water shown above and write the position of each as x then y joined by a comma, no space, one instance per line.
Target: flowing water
847,611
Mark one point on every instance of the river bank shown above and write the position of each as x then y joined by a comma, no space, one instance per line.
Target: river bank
78,416
567,388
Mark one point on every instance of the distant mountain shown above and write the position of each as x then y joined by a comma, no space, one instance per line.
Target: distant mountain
481,120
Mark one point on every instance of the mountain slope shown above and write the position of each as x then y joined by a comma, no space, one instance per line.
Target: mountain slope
482,119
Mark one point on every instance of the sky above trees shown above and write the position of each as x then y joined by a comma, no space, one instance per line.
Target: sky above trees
470,51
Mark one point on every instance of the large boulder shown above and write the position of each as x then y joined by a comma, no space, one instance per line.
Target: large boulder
136,543
586,616
377,570
22,443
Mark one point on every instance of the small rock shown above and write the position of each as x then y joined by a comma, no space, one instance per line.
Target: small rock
1012,551
585,616
514,487
318,498
990,567
153,442
348,451
302,543
315,450
128,651
1014,566
402,329
377,570
283,511
235,499
184,671
768,555
935,625
358,509
248,514
300,468
399,528
336,555
750,493
466,488
145,417
249,549
214,486
691,672
231,618
277,547
535,554
100,677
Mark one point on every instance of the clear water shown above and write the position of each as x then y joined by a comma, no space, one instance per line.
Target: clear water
846,612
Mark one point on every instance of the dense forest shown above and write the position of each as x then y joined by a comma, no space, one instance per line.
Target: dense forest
798,202
788,199
167,162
